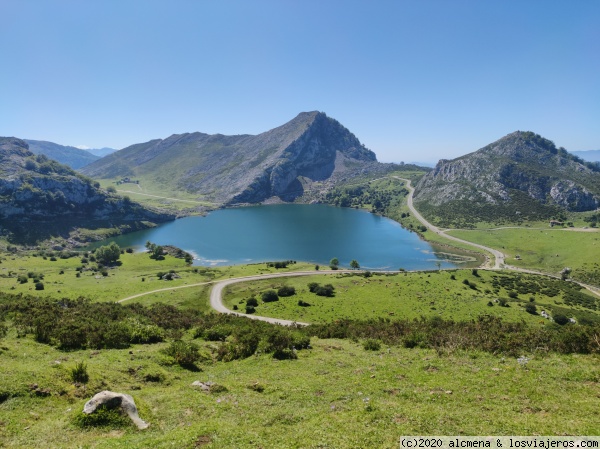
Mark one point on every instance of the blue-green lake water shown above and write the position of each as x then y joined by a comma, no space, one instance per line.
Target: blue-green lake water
311,233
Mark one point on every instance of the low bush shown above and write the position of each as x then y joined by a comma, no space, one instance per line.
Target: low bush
79,373
183,353
372,345
270,296
286,290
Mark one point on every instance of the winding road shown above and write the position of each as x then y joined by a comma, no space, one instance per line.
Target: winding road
498,256
216,294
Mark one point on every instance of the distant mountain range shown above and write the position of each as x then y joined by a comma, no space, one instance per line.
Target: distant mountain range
590,156
40,197
522,175
100,152
71,156
309,152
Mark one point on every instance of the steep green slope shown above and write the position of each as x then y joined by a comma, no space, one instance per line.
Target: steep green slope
71,156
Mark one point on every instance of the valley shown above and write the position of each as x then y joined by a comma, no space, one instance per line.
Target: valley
413,341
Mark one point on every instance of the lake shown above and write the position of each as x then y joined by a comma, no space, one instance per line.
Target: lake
302,232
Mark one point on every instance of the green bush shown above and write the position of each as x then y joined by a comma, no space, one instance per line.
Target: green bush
560,319
372,345
270,296
39,285
286,290
531,308
22,279
252,302
79,373
183,353
250,309
102,417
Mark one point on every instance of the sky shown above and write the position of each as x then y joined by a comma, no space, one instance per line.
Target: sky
414,80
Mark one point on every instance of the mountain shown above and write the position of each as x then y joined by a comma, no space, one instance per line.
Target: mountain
40,197
590,156
285,162
71,156
100,152
521,176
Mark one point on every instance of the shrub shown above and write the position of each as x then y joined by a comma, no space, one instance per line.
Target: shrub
102,417
270,296
531,308
560,319
513,295
39,285
217,333
250,309
466,282
372,345
253,302
144,333
79,373
286,290
183,353
312,287
303,303
22,279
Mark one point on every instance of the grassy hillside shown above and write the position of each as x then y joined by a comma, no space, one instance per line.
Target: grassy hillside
547,250
335,395
456,295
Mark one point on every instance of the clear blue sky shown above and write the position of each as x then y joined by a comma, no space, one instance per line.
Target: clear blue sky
415,80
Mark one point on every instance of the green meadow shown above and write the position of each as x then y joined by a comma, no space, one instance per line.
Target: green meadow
334,395
419,294
547,250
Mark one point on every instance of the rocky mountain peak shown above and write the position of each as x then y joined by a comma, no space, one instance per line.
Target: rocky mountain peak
521,174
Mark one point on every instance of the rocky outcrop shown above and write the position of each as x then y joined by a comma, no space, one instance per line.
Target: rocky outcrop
521,173
282,162
43,193
111,400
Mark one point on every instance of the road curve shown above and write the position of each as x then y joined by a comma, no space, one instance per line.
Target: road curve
216,294
498,256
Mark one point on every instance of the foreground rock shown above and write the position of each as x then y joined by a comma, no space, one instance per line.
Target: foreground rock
110,400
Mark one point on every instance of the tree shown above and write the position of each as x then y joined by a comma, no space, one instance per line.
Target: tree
334,263
354,264
108,254
156,251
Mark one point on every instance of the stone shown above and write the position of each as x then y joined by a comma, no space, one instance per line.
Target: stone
112,400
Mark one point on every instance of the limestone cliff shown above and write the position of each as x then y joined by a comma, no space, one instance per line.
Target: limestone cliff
278,163
520,175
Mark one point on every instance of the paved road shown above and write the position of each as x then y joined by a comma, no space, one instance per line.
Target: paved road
216,294
498,256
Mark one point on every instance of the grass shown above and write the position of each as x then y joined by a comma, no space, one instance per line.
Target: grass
336,394
409,295
136,274
150,193
547,250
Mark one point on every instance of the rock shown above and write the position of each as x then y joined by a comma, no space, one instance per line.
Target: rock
112,400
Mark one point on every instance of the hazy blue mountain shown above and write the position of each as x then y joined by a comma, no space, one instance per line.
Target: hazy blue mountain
590,155
100,152
71,156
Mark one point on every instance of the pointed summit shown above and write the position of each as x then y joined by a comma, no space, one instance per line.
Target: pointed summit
282,162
